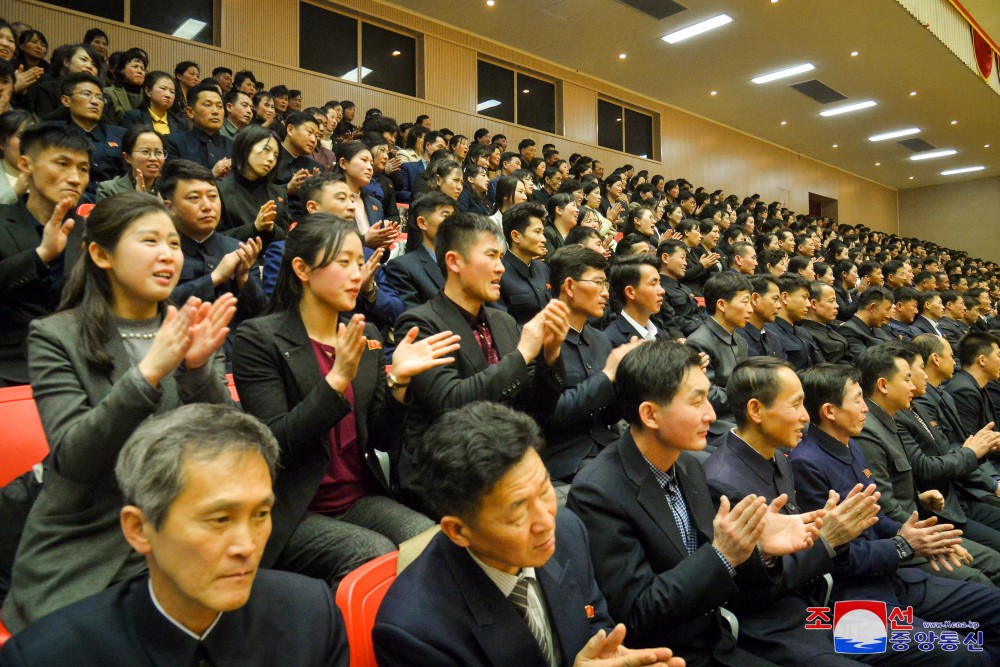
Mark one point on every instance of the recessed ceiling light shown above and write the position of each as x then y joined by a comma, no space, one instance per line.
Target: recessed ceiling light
954,122
849,108
525,91
854,53
490,3
963,170
835,145
697,28
713,92
618,120
395,53
621,56
782,73
784,122
911,178
878,164
895,134
774,2
986,145
927,155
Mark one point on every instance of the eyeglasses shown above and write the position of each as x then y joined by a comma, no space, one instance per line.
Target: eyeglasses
146,153
88,94
601,284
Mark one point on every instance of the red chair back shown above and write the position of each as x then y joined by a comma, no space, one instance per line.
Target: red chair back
359,596
232,387
23,443
4,635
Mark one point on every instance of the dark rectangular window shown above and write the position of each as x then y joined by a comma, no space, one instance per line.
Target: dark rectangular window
328,42
609,125
495,91
113,10
388,60
638,134
187,19
536,103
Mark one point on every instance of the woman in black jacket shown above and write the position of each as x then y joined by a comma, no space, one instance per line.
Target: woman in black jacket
252,203
319,382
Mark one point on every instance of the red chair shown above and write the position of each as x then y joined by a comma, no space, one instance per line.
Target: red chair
232,387
4,635
359,596
24,443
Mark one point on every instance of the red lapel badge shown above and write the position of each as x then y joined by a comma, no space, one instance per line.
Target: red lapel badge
590,611
374,345
868,473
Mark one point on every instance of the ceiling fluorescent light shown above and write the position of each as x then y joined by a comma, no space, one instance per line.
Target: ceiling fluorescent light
353,74
488,104
782,73
189,29
697,28
895,135
963,170
849,108
927,155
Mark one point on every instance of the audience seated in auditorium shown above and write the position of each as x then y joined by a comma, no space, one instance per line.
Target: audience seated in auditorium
500,596
82,96
203,599
203,143
865,328
818,323
684,313
37,250
524,285
765,302
330,404
635,286
115,354
415,276
496,361
253,204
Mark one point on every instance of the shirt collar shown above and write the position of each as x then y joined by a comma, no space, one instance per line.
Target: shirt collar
159,608
647,332
720,331
473,320
832,446
504,581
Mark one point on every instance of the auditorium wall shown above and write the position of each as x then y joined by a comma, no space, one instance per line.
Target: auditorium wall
263,37
958,215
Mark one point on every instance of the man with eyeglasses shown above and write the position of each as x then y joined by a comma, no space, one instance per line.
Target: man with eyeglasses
82,96
585,419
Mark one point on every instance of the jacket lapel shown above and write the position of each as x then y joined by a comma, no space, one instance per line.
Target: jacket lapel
295,348
431,269
454,322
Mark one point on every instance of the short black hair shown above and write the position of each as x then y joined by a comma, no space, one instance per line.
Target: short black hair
312,188
205,86
279,91
54,135
878,361
70,83
756,377
826,383
458,233
525,143
221,70
927,297
725,286
789,282
241,76
517,217
669,247
580,235
653,372
570,261
904,294
175,171
874,294
949,296
465,453
761,283
927,344
297,118
627,272
973,344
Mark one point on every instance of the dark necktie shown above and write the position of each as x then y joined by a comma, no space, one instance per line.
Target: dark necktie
485,339
519,598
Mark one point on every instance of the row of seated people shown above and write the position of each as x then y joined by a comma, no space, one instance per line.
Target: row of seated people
651,536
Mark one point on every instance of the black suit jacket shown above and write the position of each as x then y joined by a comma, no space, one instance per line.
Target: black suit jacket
444,611
847,302
663,595
832,344
534,387
619,332
975,408
280,383
890,468
936,465
198,147
800,348
860,336
680,310
287,620
713,340
953,330
761,343
924,325
522,292
415,277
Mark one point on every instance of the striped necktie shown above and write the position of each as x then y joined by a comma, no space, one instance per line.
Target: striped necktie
519,598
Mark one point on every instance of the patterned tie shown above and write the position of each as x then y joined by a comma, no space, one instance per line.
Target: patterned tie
519,598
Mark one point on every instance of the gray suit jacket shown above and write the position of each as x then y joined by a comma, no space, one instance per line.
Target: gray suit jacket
72,546
113,187
713,340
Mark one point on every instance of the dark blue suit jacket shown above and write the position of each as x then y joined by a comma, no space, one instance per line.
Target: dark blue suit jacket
444,611
415,277
620,331
975,408
523,293
106,161
288,620
798,344
758,345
